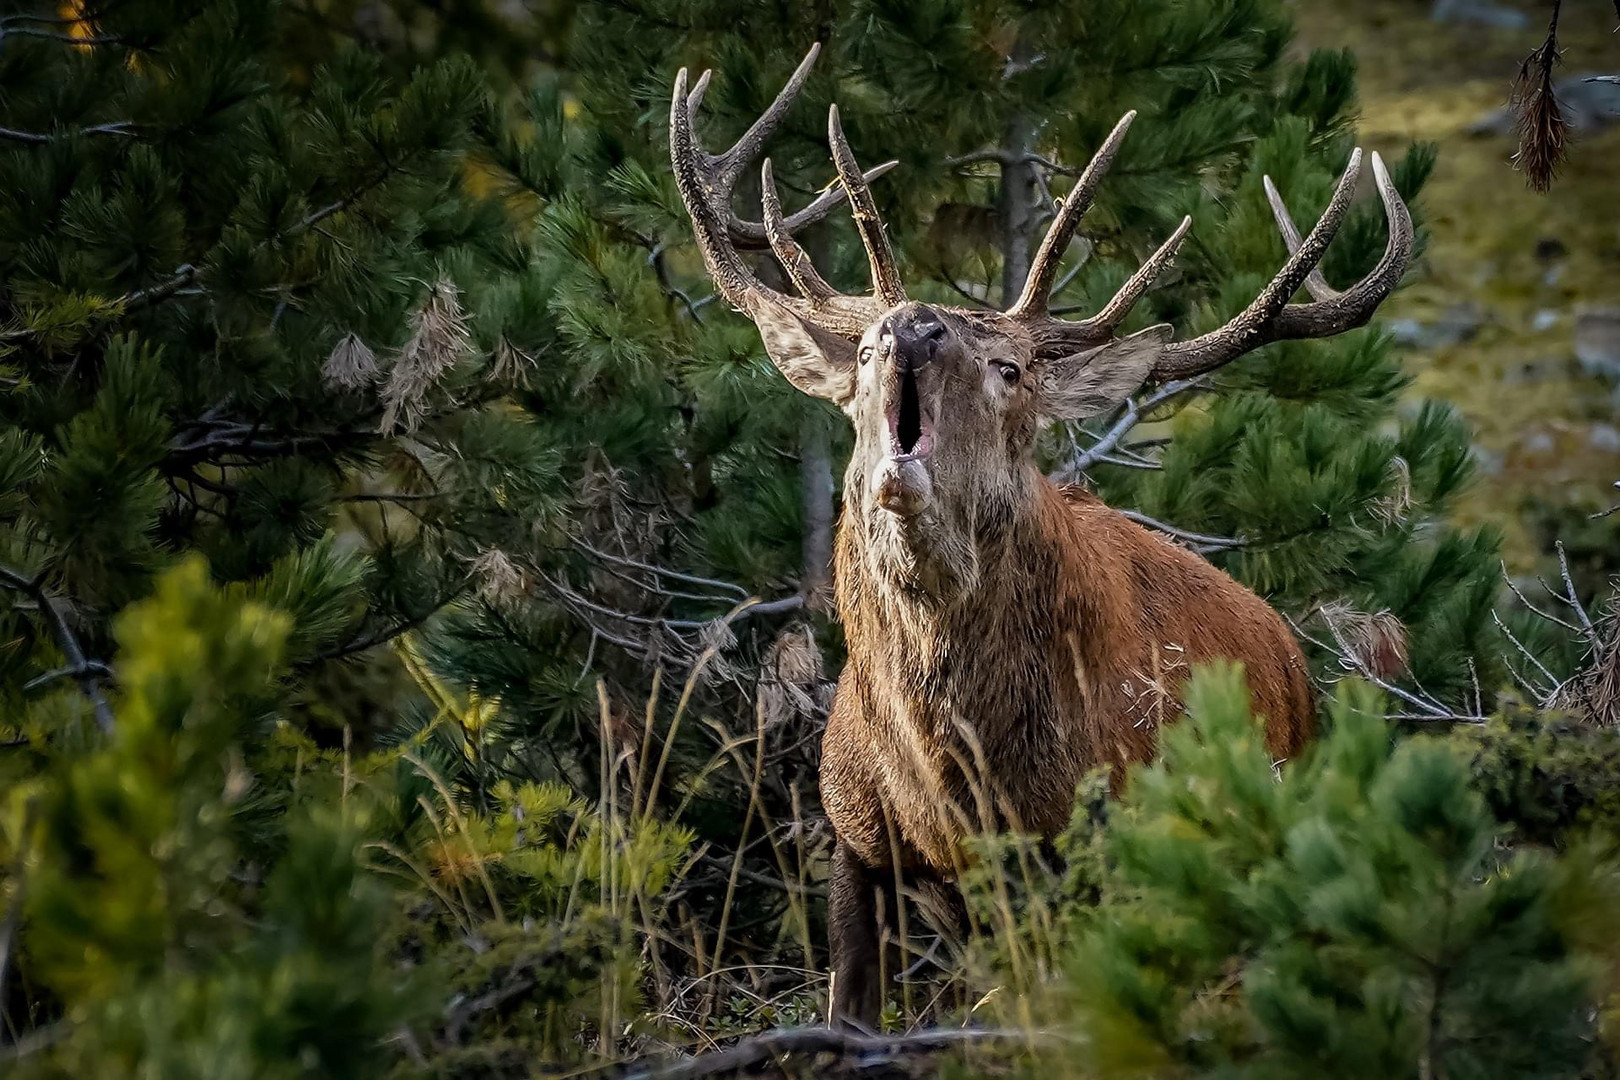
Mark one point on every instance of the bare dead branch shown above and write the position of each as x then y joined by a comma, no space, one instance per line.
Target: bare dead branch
87,673
673,575
870,1050
1574,601
1203,543
1428,708
1135,413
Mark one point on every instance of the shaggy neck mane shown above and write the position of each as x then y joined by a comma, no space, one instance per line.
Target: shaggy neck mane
966,617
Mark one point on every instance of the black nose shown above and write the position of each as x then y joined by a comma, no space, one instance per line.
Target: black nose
915,333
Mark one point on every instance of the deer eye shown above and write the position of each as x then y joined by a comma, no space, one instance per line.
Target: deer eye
864,354
1009,372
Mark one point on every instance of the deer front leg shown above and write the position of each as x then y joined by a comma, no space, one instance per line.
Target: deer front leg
860,902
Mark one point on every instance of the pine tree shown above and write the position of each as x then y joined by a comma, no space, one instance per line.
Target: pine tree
1358,917
244,309
146,925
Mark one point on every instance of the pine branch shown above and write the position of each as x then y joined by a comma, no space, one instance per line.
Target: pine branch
226,438
57,35
116,127
387,634
183,276
88,673
187,273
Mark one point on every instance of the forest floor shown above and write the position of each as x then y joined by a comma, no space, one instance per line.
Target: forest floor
1496,296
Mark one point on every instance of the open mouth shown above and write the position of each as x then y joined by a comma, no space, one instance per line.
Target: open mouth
909,434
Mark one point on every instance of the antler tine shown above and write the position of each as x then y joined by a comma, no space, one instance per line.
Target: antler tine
706,202
726,169
1032,302
1315,283
794,261
706,184
752,235
1114,312
747,147
1270,318
885,275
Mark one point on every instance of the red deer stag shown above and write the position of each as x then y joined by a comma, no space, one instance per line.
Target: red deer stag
1004,634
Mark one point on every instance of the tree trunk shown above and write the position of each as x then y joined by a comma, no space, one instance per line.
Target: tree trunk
816,500
1019,199
816,481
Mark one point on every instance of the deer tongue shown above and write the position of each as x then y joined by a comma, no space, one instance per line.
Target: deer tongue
902,486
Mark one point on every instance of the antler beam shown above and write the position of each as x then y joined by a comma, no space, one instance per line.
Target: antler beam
1269,317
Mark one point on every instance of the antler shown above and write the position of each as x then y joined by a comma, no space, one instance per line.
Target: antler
708,181
1268,318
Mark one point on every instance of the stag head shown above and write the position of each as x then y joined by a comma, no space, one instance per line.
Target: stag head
946,401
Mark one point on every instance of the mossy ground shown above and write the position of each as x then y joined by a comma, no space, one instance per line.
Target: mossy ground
1533,410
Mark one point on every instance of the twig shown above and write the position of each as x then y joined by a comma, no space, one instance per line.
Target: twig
492,1000
1135,411
1573,599
1543,696
1350,661
183,275
34,138
87,673
404,626
1129,463
673,575
871,1049
655,259
8,30
90,667
1068,279
758,878
1549,616
1205,543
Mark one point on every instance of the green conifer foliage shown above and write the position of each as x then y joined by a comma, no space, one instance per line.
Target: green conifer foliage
242,309
168,946
208,893
1353,918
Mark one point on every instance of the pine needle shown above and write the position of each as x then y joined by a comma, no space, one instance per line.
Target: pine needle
439,338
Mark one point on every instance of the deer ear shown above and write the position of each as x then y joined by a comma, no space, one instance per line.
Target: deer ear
818,363
1088,383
